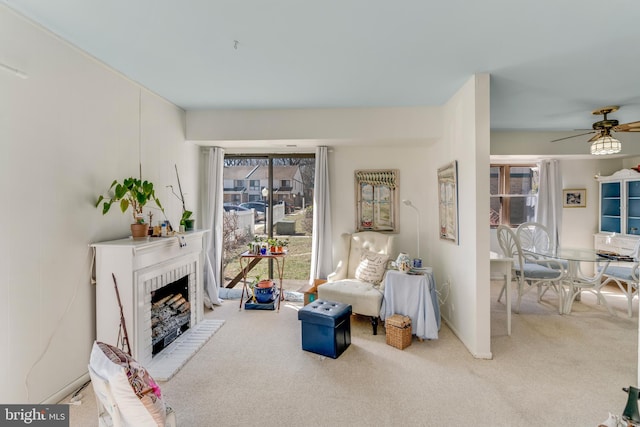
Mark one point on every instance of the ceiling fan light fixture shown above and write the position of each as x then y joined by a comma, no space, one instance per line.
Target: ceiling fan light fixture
606,144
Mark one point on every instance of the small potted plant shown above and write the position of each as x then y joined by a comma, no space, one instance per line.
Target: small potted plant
281,244
186,220
134,193
272,243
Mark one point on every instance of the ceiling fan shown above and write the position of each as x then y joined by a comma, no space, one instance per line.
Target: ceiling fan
603,142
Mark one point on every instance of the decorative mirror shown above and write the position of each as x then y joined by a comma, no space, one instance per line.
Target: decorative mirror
448,201
377,200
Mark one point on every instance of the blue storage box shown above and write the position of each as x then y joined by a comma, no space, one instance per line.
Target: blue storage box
326,327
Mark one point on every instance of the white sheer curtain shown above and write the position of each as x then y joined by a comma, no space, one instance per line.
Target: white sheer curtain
213,199
321,256
549,207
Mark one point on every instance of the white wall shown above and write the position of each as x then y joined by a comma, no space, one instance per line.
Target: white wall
67,131
631,162
326,124
414,180
466,265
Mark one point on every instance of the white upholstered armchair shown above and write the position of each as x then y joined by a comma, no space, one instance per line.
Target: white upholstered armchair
359,276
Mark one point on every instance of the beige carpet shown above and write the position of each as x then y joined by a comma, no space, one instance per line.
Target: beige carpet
552,371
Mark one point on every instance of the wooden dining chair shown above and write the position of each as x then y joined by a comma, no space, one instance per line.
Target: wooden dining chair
529,272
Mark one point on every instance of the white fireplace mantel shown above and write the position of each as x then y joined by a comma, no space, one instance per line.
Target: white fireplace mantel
136,263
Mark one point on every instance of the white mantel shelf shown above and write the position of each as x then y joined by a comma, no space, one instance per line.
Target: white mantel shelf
141,243
151,250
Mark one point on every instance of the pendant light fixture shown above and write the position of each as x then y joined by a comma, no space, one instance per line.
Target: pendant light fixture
605,144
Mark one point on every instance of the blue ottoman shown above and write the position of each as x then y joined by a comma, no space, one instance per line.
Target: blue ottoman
326,327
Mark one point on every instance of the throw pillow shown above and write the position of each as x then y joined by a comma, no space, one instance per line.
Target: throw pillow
137,395
372,266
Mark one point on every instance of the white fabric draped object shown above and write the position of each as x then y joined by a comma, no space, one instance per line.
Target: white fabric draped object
416,297
213,199
549,208
321,254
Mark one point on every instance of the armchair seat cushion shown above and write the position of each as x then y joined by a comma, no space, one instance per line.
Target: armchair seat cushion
364,298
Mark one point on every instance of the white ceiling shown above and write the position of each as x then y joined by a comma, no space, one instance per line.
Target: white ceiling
551,62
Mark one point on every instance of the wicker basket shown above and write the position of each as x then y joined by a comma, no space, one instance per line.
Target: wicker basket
398,330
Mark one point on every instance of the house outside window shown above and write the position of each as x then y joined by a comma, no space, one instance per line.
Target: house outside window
254,185
514,194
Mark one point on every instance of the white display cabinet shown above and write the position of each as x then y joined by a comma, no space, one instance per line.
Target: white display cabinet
619,212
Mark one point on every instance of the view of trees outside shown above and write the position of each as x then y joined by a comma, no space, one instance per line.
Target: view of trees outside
247,214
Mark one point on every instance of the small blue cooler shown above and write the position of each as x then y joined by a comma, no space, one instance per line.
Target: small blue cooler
326,327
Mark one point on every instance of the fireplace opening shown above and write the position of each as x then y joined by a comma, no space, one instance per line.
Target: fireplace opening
170,313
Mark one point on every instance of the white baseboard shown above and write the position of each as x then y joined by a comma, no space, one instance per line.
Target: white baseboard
475,355
67,390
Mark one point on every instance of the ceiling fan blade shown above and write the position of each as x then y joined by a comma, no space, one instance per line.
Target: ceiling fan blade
627,127
572,136
596,136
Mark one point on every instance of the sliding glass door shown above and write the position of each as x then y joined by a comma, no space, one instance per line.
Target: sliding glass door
268,198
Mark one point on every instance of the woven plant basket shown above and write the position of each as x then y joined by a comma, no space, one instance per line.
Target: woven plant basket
398,330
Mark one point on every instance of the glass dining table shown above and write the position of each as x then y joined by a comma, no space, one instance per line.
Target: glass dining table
575,281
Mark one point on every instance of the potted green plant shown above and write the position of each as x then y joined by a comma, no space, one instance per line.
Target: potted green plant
134,193
186,219
272,243
281,245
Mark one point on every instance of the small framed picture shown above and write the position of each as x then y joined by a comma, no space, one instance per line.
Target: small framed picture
573,198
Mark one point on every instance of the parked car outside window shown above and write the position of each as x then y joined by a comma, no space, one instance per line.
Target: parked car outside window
231,207
259,208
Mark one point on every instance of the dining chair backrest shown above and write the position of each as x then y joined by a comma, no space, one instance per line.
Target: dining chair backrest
636,251
534,236
510,245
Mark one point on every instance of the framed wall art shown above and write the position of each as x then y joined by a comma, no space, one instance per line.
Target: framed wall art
377,200
448,201
572,198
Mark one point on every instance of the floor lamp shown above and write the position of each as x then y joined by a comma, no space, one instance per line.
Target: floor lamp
408,203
